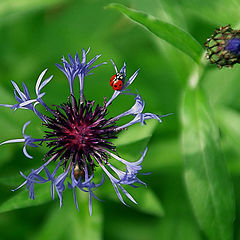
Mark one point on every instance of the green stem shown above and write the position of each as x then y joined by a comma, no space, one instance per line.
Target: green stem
197,72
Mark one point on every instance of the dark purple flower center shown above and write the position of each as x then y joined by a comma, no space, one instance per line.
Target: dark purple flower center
79,136
79,133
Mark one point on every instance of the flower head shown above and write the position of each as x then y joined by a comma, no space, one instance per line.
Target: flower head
79,136
223,47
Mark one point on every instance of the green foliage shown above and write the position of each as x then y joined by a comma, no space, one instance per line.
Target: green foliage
10,8
170,33
20,199
136,133
205,170
204,100
147,201
80,225
229,128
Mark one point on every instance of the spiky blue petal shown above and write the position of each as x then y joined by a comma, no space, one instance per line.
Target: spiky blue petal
25,101
28,140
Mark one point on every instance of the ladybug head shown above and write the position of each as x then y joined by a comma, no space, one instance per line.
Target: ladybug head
119,76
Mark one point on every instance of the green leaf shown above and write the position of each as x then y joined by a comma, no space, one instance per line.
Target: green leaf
206,177
136,133
221,95
229,122
20,198
11,181
80,225
166,31
161,155
186,229
147,200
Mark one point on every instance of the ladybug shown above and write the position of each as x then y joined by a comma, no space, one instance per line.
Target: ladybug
116,81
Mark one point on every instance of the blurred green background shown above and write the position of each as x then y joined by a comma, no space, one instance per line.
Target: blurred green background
35,34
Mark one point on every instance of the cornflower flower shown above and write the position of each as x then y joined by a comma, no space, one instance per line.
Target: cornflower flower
79,133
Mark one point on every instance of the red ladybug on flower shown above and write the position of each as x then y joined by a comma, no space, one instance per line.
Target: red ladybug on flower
116,81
